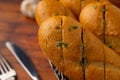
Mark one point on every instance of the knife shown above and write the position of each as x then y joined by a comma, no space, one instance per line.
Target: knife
23,59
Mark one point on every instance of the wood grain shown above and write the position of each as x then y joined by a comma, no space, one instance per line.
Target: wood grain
22,31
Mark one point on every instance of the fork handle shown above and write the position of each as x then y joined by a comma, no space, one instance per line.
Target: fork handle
11,78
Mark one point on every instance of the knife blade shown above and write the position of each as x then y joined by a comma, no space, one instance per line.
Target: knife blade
23,59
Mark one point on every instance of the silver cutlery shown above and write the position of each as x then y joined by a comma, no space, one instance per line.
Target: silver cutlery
6,72
23,59
27,64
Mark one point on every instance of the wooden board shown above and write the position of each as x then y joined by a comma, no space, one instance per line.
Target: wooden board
22,31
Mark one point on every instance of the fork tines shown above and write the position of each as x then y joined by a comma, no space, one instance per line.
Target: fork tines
6,72
4,66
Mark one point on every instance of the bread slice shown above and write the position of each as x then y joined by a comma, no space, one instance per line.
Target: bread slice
91,17
75,51
49,34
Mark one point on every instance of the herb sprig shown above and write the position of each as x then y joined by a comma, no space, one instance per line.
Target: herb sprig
104,9
72,27
62,44
95,7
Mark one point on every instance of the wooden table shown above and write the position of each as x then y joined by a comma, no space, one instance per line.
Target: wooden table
22,31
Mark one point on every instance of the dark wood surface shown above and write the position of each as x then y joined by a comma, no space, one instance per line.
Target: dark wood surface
22,31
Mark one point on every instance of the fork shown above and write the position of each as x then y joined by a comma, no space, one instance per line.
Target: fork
6,72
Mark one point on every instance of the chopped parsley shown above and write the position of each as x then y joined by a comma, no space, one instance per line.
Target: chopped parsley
72,27
62,44
95,7
104,9
83,46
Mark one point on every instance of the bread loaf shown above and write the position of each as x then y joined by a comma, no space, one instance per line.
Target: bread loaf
104,21
48,8
76,52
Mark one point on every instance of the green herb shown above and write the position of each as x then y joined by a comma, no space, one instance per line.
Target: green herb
95,7
62,44
83,46
104,9
74,27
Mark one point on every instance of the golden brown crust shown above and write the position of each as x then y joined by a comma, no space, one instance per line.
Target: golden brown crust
48,8
71,29
84,3
112,73
73,5
113,27
112,16
73,70
94,48
94,72
77,5
91,17
111,57
48,38
104,25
